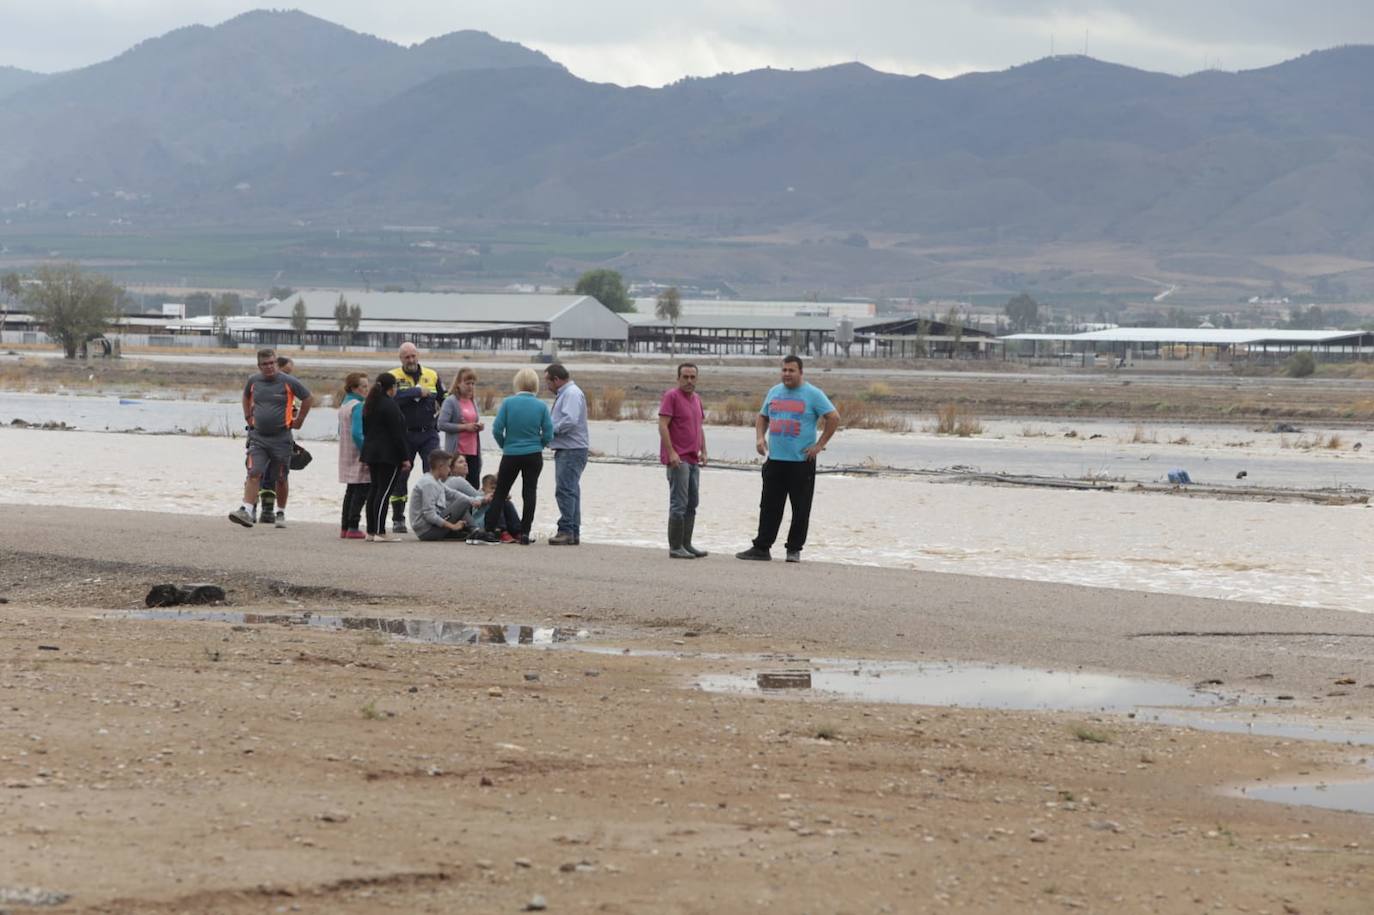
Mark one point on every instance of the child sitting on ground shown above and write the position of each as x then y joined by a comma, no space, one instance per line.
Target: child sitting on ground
479,515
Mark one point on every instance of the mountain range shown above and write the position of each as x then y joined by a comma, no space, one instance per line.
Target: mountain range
276,116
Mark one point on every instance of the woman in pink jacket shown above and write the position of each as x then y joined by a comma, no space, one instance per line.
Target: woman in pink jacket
352,470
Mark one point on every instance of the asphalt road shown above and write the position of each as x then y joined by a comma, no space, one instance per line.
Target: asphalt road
823,609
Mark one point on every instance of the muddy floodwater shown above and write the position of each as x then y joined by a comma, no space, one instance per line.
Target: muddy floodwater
1289,553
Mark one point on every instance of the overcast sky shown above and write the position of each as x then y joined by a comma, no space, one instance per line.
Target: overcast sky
651,42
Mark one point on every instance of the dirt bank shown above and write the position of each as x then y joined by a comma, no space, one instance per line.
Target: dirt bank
239,767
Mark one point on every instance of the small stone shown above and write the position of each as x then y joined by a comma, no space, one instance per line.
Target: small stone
486,781
523,862
531,677
1038,835
537,903
591,673
335,816
495,692
413,689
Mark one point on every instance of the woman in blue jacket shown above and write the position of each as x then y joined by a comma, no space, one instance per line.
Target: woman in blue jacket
523,429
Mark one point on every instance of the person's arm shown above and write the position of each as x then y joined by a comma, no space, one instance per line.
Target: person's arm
832,422
398,430
449,414
666,440
761,434
303,395
562,418
701,454
498,426
248,404
545,427
357,428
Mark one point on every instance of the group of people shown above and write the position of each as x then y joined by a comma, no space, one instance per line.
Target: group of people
389,424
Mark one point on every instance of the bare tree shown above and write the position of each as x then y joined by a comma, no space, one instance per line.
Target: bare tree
300,320
73,307
669,308
224,307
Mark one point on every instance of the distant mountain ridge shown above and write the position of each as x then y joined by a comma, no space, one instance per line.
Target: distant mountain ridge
275,116
12,79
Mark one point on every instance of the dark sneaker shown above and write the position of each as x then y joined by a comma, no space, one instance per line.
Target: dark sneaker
678,552
754,553
563,538
794,555
398,527
240,515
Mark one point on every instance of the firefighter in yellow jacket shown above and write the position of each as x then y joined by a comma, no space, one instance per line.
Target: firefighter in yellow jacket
419,392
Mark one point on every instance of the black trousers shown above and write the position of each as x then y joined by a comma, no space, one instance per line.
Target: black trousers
783,482
527,467
419,443
354,501
474,476
383,481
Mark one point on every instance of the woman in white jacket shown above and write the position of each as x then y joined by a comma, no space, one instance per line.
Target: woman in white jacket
352,471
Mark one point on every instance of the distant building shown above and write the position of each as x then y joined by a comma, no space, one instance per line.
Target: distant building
443,321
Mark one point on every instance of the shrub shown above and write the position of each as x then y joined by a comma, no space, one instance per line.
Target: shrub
860,414
952,419
1300,365
734,412
606,404
876,391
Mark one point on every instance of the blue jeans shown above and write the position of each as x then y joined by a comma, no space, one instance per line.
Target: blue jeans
568,464
684,483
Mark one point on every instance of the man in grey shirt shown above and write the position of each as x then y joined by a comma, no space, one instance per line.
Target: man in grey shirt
570,443
274,403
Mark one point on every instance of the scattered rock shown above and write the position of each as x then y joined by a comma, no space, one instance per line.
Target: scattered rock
1346,681
495,692
31,895
168,595
1039,835
48,648
335,816
485,781
591,673
524,862
537,903
531,677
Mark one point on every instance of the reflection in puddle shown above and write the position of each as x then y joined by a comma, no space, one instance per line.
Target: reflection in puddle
975,686
443,632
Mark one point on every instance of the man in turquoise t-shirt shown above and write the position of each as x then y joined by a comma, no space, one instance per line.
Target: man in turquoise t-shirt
788,418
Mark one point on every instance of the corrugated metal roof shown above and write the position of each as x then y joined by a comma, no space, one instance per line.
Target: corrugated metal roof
743,322
1198,335
365,326
462,307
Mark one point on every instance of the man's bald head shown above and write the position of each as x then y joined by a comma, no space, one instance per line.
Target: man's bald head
410,356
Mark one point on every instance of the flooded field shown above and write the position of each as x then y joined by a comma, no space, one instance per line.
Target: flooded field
1280,553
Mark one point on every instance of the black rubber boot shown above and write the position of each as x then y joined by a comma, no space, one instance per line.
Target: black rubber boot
675,549
688,523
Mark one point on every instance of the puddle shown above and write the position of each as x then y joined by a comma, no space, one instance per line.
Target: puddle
1353,796
1291,729
439,632
967,686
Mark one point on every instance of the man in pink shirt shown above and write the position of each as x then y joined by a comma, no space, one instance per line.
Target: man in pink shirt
682,447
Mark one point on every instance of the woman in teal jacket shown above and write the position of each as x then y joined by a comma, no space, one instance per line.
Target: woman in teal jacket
523,429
